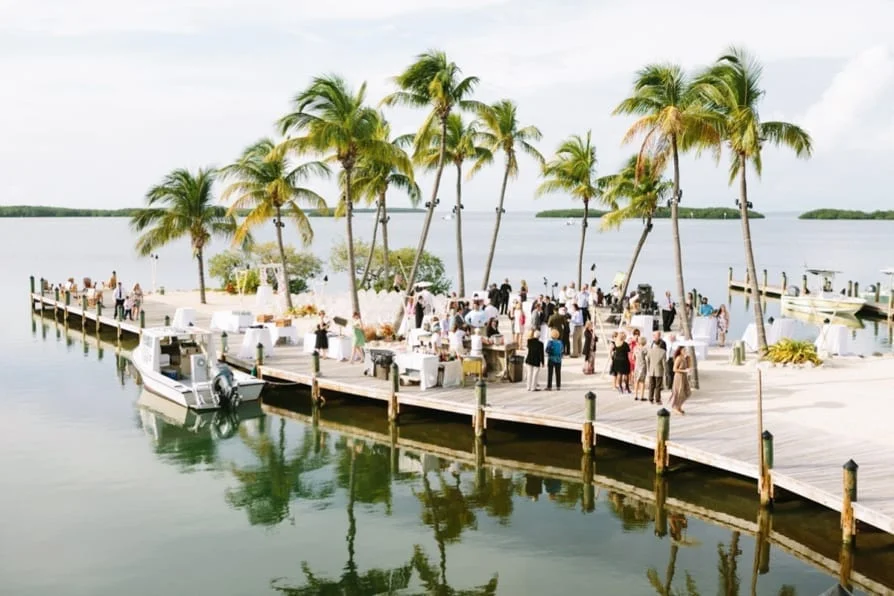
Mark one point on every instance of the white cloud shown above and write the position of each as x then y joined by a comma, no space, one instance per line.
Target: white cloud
82,17
852,92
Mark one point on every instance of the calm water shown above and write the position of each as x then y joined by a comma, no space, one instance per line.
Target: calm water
106,494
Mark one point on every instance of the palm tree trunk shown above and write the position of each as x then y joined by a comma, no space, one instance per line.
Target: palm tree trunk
349,229
411,280
678,262
749,260
583,240
639,247
386,266
461,270
493,240
282,258
200,257
372,246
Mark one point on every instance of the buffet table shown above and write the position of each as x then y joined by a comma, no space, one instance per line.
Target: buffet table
705,329
779,329
339,346
833,339
289,334
254,336
425,364
231,321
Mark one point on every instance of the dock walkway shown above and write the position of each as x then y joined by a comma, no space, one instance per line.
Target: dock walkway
820,418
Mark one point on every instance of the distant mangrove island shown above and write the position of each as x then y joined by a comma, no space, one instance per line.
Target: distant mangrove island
845,214
660,213
44,211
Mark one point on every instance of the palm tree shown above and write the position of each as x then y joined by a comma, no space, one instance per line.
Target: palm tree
462,144
182,206
332,119
266,185
643,193
503,132
671,120
731,88
435,82
573,171
374,177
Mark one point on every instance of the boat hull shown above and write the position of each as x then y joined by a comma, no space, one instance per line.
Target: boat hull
819,304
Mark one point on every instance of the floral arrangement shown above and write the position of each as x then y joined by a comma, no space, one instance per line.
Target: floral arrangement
386,331
370,332
304,310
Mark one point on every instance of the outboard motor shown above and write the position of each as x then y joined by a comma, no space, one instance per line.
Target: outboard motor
225,389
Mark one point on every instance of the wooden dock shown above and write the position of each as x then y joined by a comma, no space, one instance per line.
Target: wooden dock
720,429
879,308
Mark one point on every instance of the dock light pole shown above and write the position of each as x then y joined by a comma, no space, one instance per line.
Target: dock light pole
153,260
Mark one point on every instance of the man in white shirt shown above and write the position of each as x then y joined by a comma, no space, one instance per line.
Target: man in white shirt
570,294
456,338
119,301
668,312
476,317
490,312
583,302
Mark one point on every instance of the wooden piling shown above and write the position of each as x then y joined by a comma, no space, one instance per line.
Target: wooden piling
224,342
98,315
167,320
479,421
393,405
878,291
846,566
83,309
856,288
55,301
661,456
588,500
314,382
660,488
804,284
784,282
143,323
730,280
67,305
761,564
765,482
259,354
32,286
120,331
850,287
848,521
764,286
588,435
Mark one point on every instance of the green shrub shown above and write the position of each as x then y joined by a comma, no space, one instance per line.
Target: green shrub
791,351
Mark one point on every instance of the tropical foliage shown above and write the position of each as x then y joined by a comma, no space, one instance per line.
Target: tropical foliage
267,186
660,213
300,267
573,172
845,214
792,351
182,206
431,268
731,90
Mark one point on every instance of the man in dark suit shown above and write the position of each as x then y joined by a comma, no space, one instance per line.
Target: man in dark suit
505,291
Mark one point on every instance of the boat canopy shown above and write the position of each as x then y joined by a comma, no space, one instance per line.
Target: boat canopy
826,272
174,332
888,271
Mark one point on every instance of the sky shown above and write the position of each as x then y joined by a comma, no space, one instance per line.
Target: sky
101,98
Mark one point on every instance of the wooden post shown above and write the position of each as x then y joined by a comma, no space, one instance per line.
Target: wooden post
314,382
856,288
661,456
224,341
784,282
850,287
167,320
766,479
878,291
83,308
846,566
761,564
55,300
804,284
67,304
143,323
394,459
765,281
98,315
480,452
848,522
729,282
32,287
588,500
43,284
479,421
393,404
120,331
660,488
259,354
588,436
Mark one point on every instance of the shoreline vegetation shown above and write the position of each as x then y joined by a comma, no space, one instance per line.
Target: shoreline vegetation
849,214
660,213
47,211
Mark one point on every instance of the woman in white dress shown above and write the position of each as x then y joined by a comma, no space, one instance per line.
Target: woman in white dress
518,324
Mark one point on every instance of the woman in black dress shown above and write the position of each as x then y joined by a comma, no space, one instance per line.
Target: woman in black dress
321,333
621,363
418,311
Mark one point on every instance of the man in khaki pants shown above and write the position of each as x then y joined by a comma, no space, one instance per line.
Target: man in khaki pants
577,330
656,360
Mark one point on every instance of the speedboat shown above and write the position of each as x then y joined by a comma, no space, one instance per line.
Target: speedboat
180,365
822,300
884,294
818,318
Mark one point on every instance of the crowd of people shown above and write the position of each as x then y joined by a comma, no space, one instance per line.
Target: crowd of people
127,304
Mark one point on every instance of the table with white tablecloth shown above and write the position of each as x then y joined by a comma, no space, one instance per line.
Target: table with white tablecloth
781,328
184,317
833,339
645,324
254,336
289,334
310,341
453,373
339,347
426,364
705,329
231,321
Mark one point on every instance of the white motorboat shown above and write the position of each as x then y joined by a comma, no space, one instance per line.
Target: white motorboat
884,294
181,365
823,299
570,222
819,319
